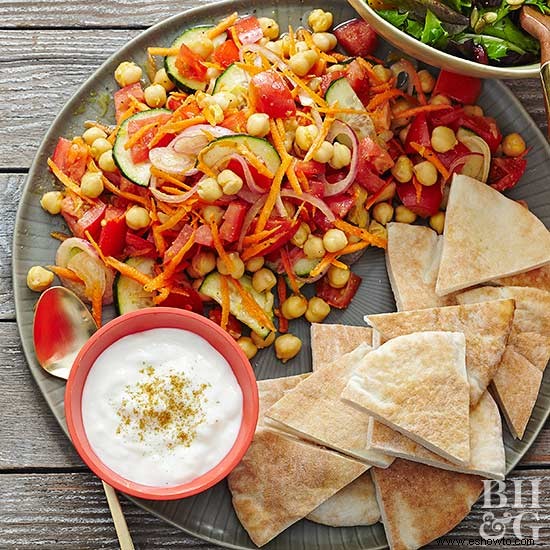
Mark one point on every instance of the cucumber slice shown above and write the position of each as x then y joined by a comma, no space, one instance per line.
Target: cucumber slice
188,37
303,266
233,80
214,153
342,93
211,286
129,294
137,173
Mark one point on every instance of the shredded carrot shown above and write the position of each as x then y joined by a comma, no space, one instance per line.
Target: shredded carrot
257,237
276,135
252,307
368,68
252,159
97,304
223,25
354,247
325,262
95,245
281,294
67,181
422,109
162,295
124,194
175,127
168,177
291,41
428,154
292,178
258,248
320,138
219,247
59,236
138,104
235,37
173,220
134,138
65,272
383,97
252,69
224,289
303,180
339,264
363,234
418,188
128,271
316,97
164,52
292,281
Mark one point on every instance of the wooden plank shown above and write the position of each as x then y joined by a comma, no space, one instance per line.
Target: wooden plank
69,511
43,69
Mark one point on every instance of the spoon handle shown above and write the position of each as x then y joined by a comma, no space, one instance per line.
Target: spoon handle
124,537
545,81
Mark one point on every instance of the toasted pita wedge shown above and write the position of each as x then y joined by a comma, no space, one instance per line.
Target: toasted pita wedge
536,278
279,481
330,342
353,505
478,245
486,327
516,387
487,458
412,261
417,385
419,503
313,411
530,334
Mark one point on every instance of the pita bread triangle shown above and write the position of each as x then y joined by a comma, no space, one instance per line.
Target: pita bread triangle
537,278
313,411
419,503
487,236
417,385
487,457
330,342
412,261
486,327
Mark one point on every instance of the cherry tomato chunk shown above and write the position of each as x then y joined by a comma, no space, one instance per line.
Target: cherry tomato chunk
339,298
270,95
357,37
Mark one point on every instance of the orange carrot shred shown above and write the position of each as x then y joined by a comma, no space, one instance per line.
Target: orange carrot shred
124,194
219,247
252,306
67,181
428,154
273,193
422,109
383,97
363,234
65,272
128,271
292,281
281,293
163,293
418,188
224,289
223,25
97,304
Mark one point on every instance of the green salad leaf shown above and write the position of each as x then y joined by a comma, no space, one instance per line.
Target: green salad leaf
395,17
461,6
433,33
496,48
508,31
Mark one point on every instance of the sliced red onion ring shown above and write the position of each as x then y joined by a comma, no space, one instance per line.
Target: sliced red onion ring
268,54
477,144
248,196
170,199
193,139
461,162
168,160
315,201
249,218
248,175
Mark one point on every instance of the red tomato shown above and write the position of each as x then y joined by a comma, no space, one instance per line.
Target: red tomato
485,127
357,37
287,230
140,150
71,158
339,298
358,79
458,151
340,204
506,172
173,103
310,168
122,98
419,132
370,152
112,238
234,327
189,64
226,53
260,180
79,222
203,236
189,299
248,29
233,220
138,246
429,202
464,89
270,95
178,243
395,149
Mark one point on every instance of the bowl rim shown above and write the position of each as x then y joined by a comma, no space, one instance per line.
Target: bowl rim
161,317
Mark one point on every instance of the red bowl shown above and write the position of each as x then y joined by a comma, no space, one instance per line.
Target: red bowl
145,319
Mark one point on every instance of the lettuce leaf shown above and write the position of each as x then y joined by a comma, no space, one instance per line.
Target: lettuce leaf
433,33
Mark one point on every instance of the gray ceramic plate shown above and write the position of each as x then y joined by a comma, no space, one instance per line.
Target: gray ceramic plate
210,515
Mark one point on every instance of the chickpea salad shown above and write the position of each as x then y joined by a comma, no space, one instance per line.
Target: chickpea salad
248,161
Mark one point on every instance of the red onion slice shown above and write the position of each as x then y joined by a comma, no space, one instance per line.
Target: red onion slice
249,218
168,160
315,201
461,162
193,139
248,175
170,199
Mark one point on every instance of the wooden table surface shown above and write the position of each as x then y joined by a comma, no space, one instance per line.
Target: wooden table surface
48,498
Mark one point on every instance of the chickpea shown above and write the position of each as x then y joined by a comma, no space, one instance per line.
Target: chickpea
325,41
513,145
338,277
213,114
404,215
93,133
324,152
437,222
224,100
106,161
317,310
209,190
426,173
39,279
254,264
300,237
439,100
127,73
402,170
91,184
403,133
203,263
462,132
443,139
262,342
155,95
302,62
213,213
336,67
137,217
314,247
383,212
382,73
319,20
473,110
294,307
237,266
258,124
400,106
100,146
334,240
427,81
51,202
378,229
287,346
248,346
201,45
263,280
301,46
162,78
341,156
305,135
230,182
275,47
270,27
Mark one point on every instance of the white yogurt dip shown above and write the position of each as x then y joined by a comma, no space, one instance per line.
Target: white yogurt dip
161,407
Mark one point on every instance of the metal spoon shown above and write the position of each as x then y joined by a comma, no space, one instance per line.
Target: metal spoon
538,25
62,325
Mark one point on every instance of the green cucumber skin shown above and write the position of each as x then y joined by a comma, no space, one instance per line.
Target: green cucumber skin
125,288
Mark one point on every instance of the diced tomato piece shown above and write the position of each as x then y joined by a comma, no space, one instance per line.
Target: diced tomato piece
340,204
339,298
327,79
60,153
506,172
262,181
203,236
233,220
458,151
123,101
140,150
357,37
248,29
286,230
78,222
186,298
71,158
419,132
395,149
429,202
370,152
310,168
226,53
189,64
173,103
358,79
138,246
235,122
233,328
178,243
485,127
112,238
270,95
464,89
